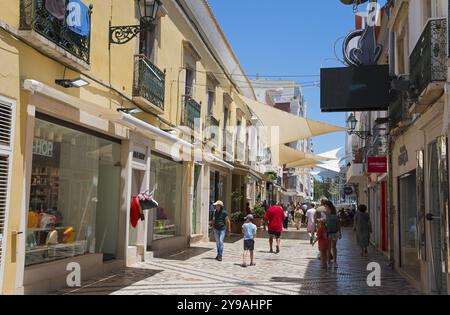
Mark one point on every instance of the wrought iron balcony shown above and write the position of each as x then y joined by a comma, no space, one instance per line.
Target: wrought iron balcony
149,85
213,126
192,112
428,61
35,17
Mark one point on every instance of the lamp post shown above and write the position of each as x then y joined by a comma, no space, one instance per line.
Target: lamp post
123,34
351,126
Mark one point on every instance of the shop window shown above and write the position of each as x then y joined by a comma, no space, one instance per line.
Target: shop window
166,177
74,193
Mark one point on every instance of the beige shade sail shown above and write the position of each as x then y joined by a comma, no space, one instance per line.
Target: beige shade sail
290,127
289,155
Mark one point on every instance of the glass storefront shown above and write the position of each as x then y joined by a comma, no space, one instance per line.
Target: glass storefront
166,177
218,187
408,225
74,193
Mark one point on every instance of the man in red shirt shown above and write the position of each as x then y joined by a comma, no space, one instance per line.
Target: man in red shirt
275,217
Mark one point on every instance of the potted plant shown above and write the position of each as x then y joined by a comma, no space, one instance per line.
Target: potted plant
258,215
237,220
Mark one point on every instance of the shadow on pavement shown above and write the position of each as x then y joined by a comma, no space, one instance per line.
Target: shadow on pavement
185,254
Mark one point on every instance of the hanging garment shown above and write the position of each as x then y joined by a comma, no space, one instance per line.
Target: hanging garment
57,8
146,201
78,17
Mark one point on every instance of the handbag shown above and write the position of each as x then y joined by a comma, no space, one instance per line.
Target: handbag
146,200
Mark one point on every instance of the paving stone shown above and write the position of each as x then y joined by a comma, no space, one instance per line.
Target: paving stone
295,271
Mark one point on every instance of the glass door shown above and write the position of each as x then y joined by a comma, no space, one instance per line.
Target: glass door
197,198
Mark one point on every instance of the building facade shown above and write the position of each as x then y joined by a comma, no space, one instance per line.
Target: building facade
110,117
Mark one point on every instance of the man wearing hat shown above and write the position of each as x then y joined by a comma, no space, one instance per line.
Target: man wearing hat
221,224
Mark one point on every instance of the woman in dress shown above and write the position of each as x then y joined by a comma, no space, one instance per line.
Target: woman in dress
363,228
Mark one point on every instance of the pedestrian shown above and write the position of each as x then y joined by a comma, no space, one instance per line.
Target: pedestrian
363,228
286,217
275,217
311,223
333,232
298,217
221,224
323,243
249,230
247,209
321,212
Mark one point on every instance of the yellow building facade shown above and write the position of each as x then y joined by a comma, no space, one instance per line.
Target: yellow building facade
74,162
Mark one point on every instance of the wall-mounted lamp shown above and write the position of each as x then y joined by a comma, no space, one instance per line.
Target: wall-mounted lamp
351,126
123,34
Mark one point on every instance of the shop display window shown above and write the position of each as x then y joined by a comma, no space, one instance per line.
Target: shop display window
74,193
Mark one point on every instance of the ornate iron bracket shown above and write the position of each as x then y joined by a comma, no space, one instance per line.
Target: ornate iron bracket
120,35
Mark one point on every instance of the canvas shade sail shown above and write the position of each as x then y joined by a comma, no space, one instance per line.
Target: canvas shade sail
289,155
290,127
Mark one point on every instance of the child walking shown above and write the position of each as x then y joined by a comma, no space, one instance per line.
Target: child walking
323,243
249,230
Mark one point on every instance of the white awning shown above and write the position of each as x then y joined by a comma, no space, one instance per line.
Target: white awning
291,128
288,155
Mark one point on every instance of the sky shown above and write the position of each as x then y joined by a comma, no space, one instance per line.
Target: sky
289,37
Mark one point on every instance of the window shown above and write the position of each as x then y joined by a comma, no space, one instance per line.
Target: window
74,193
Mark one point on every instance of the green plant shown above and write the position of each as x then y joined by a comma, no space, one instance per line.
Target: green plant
237,216
236,196
258,212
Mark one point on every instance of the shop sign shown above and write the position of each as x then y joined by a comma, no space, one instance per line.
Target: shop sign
139,154
377,164
42,147
403,157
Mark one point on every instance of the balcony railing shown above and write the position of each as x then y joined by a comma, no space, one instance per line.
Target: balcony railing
428,61
35,17
192,111
149,82
213,126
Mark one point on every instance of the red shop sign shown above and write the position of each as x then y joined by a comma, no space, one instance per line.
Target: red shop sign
377,164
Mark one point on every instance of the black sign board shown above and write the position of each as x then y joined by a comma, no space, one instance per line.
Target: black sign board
354,89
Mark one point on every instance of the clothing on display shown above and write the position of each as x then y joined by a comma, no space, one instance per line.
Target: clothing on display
78,18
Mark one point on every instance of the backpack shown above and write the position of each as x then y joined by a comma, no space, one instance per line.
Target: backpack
332,224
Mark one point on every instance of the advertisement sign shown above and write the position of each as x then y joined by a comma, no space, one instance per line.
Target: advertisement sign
377,164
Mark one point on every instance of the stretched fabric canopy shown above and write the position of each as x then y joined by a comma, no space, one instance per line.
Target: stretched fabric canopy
291,127
289,155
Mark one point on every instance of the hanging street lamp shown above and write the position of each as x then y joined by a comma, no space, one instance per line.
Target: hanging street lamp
351,126
123,34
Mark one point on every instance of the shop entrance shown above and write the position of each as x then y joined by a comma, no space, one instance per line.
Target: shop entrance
438,192
196,199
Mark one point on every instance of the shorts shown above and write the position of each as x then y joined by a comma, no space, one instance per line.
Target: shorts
276,234
249,244
334,236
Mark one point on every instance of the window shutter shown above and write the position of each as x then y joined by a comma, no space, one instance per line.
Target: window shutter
5,124
6,148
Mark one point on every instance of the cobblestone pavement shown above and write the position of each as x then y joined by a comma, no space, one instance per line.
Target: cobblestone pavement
296,270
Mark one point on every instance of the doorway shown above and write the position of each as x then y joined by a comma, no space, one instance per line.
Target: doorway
438,198
137,186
